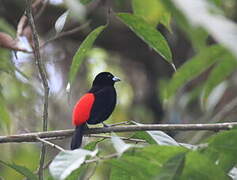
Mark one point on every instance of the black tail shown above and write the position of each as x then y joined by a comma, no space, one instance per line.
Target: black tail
77,137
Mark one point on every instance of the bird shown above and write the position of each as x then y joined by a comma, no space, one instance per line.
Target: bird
95,106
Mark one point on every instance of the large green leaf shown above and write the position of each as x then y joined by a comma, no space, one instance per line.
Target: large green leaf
152,11
173,168
222,148
148,34
136,166
81,52
144,163
194,67
198,166
22,170
222,70
119,174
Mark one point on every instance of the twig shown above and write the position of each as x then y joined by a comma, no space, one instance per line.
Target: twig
101,158
123,138
30,137
66,33
51,144
42,74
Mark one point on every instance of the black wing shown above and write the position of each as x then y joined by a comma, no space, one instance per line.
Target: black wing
105,101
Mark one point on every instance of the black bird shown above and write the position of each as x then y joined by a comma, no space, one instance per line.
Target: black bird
95,106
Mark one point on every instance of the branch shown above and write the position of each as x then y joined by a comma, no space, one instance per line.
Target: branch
50,144
60,134
66,33
42,74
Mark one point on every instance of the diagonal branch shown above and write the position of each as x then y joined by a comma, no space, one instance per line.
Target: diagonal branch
60,134
43,77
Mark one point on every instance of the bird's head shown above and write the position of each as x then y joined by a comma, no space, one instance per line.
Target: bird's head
105,79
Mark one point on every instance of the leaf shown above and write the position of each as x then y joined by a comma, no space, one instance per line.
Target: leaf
222,149
21,169
194,67
60,22
160,137
135,166
66,162
119,145
148,34
198,166
223,69
145,136
144,163
92,145
223,30
173,168
81,52
119,174
152,11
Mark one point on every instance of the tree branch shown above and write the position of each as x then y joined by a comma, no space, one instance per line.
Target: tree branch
60,134
50,144
43,77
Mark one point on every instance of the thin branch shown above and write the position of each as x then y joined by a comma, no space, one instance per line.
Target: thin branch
30,137
101,158
66,33
50,144
123,138
43,76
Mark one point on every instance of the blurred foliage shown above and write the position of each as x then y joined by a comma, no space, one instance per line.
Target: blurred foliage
199,37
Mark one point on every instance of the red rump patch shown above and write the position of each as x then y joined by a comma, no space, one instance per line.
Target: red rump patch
82,109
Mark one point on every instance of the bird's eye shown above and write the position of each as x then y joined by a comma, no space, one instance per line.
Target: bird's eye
109,75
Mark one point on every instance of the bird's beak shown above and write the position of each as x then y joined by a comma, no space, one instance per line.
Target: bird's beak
116,79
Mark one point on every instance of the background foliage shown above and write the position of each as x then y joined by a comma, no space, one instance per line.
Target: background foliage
142,42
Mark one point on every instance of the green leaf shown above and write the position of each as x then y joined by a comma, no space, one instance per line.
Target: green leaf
198,166
222,148
144,163
135,166
119,174
76,174
21,169
66,162
148,34
223,69
81,52
173,168
194,67
152,11
145,136
92,145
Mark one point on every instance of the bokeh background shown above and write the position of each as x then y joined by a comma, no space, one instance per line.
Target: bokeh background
143,72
